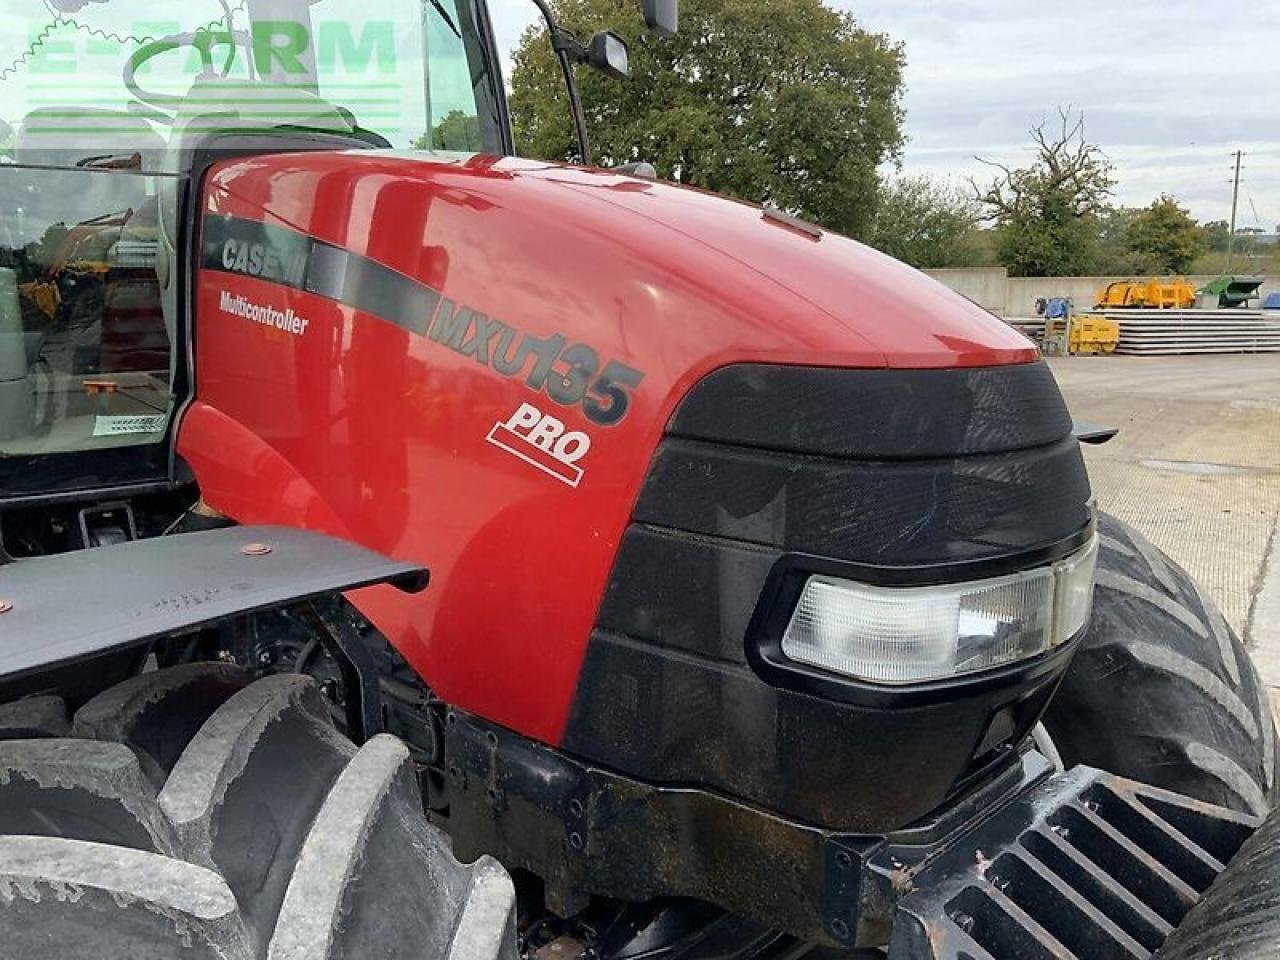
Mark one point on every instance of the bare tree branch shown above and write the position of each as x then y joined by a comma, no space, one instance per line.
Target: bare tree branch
1069,173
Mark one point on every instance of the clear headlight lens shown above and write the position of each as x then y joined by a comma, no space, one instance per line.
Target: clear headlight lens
900,635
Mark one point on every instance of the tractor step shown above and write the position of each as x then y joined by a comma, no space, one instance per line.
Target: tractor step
1084,865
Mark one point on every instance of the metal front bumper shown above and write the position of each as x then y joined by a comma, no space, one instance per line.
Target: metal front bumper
1085,864
1033,864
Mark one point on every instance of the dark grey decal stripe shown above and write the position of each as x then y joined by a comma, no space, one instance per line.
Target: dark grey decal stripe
278,255
569,374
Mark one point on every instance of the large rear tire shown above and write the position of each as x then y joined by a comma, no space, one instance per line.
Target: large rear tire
1162,690
188,812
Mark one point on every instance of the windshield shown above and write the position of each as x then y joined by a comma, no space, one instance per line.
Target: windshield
118,73
103,99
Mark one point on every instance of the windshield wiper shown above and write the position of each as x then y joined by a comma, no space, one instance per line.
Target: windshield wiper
444,15
112,161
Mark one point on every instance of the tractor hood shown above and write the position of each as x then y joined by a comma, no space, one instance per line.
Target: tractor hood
482,364
912,320
673,256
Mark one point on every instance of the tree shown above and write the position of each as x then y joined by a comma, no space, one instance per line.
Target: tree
1217,234
457,131
1113,253
1165,238
779,101
1046,214
927,224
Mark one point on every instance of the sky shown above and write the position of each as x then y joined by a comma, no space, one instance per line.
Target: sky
1169,89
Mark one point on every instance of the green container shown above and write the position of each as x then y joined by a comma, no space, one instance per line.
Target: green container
1232,291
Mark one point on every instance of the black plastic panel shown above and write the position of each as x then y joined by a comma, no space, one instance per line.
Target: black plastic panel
669,717
895,513
876,414
97,471
653,600
917,476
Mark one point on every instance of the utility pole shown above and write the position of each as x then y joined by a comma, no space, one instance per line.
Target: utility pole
1235,198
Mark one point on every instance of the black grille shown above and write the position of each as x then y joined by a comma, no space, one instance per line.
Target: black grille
1087,865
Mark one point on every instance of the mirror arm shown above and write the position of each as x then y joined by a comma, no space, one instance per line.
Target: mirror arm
562,41
575,105
568,51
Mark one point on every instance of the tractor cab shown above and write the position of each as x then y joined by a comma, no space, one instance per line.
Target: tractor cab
110,116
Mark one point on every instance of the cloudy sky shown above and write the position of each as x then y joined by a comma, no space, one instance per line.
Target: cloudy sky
1169,89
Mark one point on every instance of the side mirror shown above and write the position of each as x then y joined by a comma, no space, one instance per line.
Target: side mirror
608,53
662,16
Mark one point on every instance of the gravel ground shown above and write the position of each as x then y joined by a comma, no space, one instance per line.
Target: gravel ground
1196,467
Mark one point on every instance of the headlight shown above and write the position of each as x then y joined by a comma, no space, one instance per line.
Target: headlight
900,635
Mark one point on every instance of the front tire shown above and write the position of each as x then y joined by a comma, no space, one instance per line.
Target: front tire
1237,918
189,812
1162,690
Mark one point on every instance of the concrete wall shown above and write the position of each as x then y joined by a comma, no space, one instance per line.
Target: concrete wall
1016,296
988,286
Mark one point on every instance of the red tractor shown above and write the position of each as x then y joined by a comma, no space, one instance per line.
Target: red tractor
762,616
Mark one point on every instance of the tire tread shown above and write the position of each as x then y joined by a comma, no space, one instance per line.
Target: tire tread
1161,689
100,860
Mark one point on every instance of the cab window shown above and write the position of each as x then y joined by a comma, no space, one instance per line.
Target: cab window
84,351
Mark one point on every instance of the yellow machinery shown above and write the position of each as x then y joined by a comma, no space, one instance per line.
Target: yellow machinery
82,251
1162,293
1082,333
1066,332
